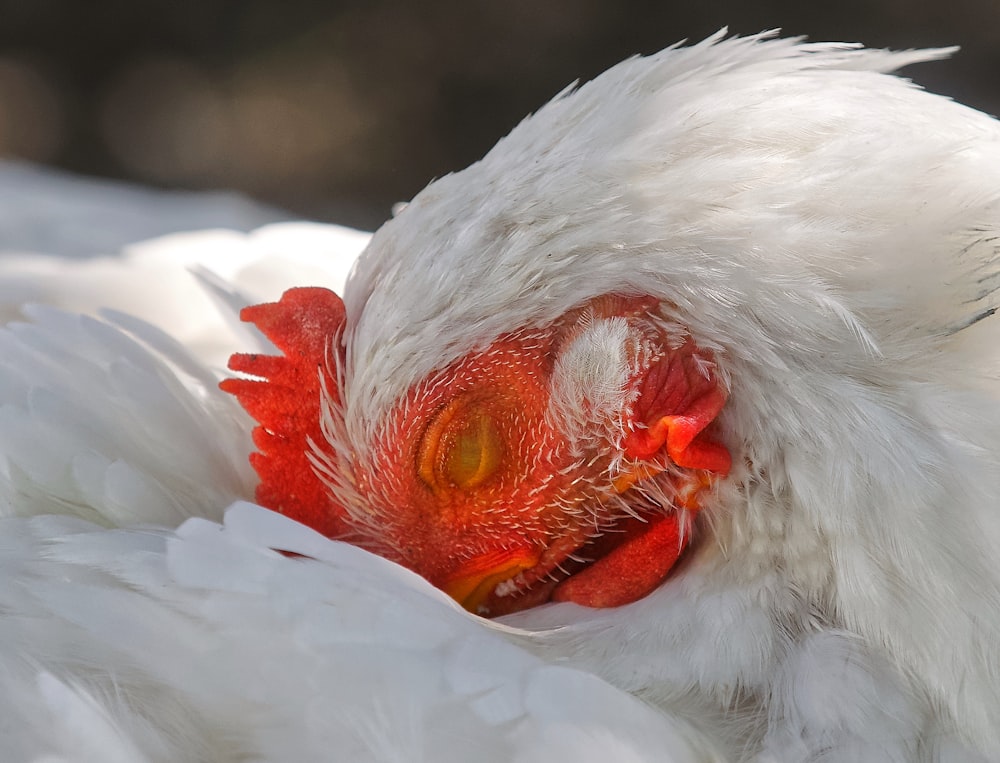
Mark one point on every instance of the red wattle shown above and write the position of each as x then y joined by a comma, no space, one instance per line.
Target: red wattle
678,402
632,570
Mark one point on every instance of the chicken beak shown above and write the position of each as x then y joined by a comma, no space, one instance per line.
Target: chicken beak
474,580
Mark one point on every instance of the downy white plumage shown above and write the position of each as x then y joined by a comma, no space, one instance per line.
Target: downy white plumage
827,230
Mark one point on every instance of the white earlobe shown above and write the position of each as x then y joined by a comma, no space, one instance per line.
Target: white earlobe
590,383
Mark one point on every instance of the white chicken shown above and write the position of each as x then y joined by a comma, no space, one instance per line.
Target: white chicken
702,345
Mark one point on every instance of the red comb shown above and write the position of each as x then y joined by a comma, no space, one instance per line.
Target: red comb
303,324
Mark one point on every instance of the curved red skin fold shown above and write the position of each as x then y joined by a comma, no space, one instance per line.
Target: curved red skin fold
632,570
679,397
305,324
683,436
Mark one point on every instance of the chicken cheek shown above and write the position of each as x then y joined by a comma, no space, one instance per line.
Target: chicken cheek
632,568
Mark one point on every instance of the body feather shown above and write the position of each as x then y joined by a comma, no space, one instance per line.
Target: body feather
828,231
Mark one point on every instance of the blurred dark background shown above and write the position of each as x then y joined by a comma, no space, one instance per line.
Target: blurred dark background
335,110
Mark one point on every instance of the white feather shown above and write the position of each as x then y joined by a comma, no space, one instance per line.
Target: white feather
827,230
830,232
205,644
155,280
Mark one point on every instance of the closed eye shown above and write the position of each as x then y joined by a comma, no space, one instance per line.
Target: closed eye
462,447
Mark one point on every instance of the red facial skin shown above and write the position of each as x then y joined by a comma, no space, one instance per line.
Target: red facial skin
470,483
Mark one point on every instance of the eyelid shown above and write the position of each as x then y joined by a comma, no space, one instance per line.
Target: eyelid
475,452
462,446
